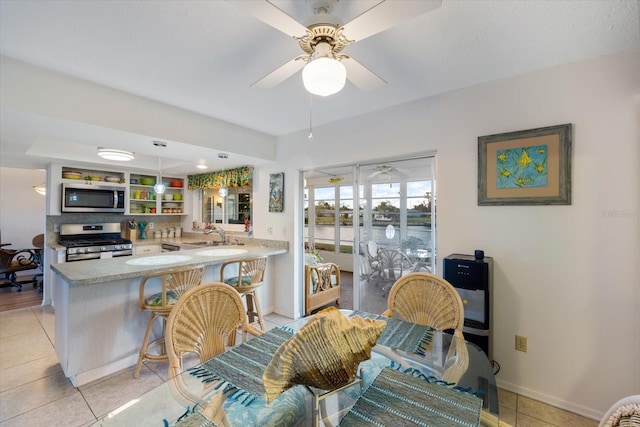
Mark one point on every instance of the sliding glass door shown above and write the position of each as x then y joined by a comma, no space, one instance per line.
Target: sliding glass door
394,204
397,231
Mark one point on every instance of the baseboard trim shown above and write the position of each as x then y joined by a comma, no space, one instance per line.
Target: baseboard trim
551,400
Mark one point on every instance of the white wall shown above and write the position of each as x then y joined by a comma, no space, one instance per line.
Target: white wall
28,88
566,277
22,210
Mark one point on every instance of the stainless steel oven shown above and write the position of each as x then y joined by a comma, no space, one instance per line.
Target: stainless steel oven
94,241
92,198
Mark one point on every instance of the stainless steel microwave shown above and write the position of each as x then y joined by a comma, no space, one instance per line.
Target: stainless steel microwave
92,198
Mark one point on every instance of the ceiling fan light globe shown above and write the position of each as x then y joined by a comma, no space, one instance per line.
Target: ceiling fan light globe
324,76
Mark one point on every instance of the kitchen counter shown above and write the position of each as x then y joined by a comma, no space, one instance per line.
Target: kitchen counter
91,272
98,324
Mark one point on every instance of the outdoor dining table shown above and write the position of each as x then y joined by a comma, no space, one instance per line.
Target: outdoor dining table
401,382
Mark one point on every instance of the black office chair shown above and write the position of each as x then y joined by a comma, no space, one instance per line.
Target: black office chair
13,261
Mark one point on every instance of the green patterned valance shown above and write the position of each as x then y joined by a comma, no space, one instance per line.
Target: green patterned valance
238,177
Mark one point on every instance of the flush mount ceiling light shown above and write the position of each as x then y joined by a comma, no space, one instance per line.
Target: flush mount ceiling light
324,75
118,155
201,166
223,191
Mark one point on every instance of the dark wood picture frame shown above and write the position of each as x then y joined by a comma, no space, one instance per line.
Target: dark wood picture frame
508,172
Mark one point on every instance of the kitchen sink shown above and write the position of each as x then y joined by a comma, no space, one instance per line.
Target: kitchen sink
222,252
159,260
195,245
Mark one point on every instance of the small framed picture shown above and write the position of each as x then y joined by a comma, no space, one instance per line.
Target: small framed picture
276,192
529,167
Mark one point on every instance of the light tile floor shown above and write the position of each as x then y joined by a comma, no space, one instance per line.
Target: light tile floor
34,390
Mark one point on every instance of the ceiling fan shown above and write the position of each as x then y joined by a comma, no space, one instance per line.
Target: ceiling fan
384,173
324,38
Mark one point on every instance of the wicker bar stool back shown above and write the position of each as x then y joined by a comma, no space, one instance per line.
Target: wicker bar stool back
245,276
174,284
624,413
201,320
426,299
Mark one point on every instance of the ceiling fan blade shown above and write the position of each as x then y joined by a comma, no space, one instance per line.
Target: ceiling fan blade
386,14
364,79
272,15
281,74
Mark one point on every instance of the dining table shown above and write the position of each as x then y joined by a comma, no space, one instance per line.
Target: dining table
416,375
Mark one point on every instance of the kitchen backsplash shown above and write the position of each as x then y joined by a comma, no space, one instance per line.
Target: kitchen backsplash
53,221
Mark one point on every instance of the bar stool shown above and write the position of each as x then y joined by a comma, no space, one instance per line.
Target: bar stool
245,276
174,283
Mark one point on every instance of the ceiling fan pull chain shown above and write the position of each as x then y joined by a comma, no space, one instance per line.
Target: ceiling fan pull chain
310,117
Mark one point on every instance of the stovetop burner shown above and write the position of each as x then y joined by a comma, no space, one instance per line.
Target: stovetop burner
93,242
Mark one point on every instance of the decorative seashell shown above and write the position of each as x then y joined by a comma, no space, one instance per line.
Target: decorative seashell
324,353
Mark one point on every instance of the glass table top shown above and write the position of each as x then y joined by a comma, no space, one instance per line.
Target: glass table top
194,397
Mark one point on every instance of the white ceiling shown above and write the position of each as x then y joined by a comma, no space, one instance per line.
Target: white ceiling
202,56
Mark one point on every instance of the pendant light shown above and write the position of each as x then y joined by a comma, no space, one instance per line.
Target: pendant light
159,188
223,191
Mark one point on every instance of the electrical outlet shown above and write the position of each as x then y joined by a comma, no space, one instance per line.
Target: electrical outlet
151,226
521,343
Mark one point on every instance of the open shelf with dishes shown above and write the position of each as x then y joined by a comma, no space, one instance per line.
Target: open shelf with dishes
90,176
173,199
143,198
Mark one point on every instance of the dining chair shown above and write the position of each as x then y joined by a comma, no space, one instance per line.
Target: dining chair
175,283
392,265
429,300
624,413
371,252
246,276
201,320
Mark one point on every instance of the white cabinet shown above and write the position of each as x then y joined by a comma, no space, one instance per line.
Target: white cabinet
140,194
58,174
146,249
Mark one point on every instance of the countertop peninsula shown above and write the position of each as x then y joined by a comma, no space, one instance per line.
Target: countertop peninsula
106,270
98,324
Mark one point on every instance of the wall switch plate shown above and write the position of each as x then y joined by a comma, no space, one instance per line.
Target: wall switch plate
521,343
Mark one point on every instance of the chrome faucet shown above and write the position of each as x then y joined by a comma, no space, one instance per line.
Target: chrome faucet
220,231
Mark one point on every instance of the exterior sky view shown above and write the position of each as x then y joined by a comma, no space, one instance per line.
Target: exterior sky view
386,192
